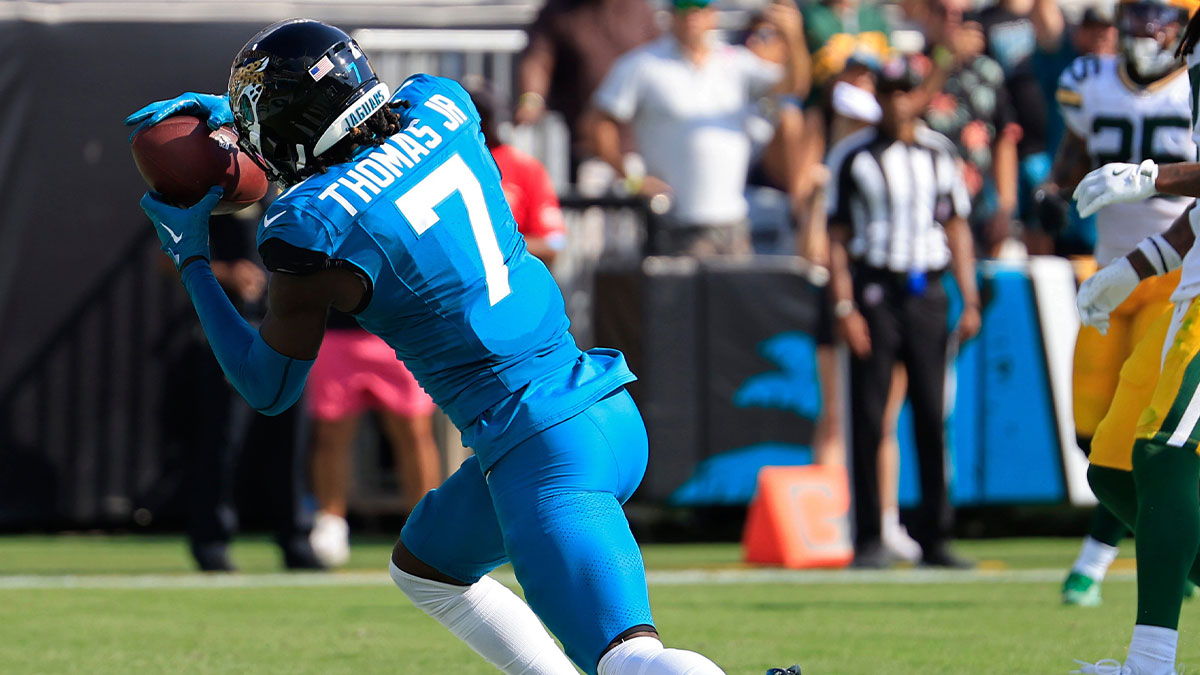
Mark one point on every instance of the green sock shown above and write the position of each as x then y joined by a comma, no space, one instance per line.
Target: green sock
1106,527
1167,530
1116,491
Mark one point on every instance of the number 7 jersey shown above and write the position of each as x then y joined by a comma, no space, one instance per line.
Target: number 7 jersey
1122,121
477,319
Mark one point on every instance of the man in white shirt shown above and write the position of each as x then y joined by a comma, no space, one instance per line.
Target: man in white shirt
688,98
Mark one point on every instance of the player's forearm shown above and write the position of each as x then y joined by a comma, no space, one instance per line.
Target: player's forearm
1181,236
1181,179
269,381
962,260
1159,254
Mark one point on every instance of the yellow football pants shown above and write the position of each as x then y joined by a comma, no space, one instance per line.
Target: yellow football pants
1099,358
1165,402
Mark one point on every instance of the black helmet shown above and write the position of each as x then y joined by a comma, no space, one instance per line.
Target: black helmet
296,89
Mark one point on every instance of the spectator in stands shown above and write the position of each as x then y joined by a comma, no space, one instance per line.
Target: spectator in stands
1013,32
687,100
356,371
973,110
527,186
222,437
836,33
897,220
1096,34
836,30
572,45
777,176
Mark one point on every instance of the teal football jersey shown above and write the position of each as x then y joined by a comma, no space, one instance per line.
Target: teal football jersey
477,319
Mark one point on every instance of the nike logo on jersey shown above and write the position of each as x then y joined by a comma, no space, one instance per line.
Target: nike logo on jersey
174,237
269,220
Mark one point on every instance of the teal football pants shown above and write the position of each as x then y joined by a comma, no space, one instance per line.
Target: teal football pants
552,507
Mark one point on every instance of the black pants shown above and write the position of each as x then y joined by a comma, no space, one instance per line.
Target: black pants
911,328
222,437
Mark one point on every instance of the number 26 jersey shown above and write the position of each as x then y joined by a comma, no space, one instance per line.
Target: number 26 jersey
1122,121
477,319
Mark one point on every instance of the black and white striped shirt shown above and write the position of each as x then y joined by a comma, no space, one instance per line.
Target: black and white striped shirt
896,198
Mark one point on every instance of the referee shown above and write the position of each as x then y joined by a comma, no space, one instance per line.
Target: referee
897,221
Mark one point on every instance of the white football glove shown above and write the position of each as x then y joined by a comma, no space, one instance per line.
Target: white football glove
1115,183
1103,291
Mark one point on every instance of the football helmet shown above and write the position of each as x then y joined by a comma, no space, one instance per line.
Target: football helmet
296,89
1150,32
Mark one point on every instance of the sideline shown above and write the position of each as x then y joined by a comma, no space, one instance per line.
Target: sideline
680,577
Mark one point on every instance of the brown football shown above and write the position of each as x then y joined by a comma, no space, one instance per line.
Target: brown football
181,158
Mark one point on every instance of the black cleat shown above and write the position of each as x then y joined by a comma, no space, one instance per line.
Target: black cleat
794,670
873,557
212,557
300,556
940,556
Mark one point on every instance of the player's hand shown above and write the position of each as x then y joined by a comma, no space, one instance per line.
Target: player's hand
182,231
857,334
1115,183
1103,291
212,107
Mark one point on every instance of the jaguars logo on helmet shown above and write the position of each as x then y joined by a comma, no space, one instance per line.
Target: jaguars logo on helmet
1150,34
296,89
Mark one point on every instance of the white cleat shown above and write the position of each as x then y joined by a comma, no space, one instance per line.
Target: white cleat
1102,667
1112,667
898,542
330,539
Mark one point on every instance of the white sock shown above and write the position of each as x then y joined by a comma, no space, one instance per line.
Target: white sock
492,620
646,656
1152,650
1094,559
891,517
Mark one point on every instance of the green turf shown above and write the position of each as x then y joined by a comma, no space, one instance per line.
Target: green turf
830,628
100,554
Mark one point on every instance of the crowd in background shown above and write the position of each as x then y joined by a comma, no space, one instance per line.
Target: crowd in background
749,139
886,143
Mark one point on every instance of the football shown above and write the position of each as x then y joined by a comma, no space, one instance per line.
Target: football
181,158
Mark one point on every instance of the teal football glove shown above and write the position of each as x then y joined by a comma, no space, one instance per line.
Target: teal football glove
212,107
182,231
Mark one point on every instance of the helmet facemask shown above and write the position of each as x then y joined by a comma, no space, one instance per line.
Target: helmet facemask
296,89
1150,34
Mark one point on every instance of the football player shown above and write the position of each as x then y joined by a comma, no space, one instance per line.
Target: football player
1149,480
393,212
1124,108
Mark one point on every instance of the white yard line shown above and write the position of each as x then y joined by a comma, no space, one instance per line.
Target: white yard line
655,578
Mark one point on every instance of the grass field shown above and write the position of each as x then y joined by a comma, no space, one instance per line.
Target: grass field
92,604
